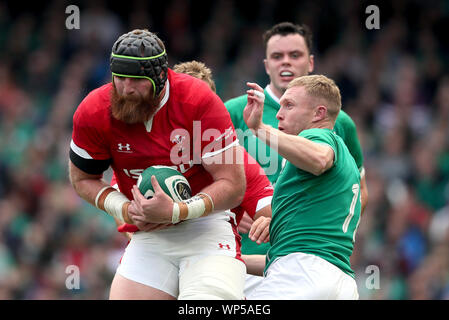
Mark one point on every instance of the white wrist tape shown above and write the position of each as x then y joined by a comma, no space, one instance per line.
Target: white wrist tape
192,208
196,207
175,214
113,204
259,94
99,194
210,199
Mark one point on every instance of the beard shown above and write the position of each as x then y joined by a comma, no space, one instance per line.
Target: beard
133,109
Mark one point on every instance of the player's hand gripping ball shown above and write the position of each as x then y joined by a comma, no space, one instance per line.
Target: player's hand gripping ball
171,181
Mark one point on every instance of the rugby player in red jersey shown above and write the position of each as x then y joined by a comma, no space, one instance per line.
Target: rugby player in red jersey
259,191
150,115
256,201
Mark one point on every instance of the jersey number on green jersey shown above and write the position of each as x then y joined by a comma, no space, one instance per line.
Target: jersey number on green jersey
355,191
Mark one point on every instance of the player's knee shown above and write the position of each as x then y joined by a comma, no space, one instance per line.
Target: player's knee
207,289
213,278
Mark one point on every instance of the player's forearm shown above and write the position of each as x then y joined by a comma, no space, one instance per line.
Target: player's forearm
264,212
89,188
86,186
228,172
97,192
255,264
301,152
227,192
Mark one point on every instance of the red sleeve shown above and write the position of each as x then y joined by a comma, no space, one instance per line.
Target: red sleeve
127,228
212,128
90,127
114,180
258,187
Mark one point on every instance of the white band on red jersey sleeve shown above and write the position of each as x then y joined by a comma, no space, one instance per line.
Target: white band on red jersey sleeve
79,151
214,153
262,203
84,161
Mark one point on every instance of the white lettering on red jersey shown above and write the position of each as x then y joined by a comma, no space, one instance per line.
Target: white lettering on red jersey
258,194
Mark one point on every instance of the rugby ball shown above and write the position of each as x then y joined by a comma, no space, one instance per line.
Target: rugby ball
171,181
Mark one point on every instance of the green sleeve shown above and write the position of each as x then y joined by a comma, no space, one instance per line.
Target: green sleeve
235,108
346,129
268,158
322,137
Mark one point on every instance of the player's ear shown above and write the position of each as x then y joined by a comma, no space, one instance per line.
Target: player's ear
320,113
311,63
265,63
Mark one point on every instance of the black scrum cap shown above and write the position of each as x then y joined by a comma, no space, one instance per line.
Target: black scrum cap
140,54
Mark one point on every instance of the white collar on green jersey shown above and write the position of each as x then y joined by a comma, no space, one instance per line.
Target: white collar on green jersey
270,92
149,124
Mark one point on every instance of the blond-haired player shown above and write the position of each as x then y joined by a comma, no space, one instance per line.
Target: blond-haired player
316,202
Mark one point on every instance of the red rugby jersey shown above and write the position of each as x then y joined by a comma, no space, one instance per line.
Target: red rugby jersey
258,189
257,195
191,123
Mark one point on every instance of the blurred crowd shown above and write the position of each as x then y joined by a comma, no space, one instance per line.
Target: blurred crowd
394,83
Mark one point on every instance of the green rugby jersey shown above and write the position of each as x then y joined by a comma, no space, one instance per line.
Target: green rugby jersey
344,127
268,159
318,215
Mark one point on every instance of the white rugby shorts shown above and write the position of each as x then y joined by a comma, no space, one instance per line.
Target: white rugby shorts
301,276
251,283
158,258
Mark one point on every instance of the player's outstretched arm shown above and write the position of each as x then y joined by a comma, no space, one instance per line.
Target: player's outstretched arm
302,153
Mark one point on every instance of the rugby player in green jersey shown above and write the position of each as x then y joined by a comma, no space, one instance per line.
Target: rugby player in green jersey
316,203
288,55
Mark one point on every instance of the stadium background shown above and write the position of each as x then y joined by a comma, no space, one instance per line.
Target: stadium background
394,85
